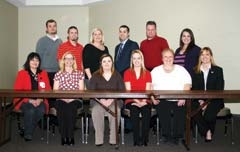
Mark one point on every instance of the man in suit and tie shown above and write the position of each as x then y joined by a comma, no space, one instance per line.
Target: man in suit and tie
122,58
124,49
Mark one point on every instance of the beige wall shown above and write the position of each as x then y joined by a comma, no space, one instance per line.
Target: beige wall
215,23
32,25
9,44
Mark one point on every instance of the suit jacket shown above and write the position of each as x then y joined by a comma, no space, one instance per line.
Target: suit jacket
124,60
215,81
23,82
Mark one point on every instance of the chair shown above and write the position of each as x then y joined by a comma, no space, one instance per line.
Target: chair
126,112
235,110
225,114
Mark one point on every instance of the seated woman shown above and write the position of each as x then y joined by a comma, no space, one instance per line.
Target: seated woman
68,78
169,76
207,76
138,78
31,78
106,78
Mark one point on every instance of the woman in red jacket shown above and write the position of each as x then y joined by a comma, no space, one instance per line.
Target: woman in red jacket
31,78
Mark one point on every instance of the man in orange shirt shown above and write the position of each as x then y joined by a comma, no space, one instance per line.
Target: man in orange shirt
72,45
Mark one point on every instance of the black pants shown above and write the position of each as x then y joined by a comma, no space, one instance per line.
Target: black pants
145,123
66,113
169,111
207,121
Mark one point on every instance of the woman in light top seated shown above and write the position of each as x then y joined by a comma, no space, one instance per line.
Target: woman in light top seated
31,78
169,76
106,78
138,78
68,78
207,76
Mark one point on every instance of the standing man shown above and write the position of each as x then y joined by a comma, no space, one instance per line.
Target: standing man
47,47
122,58
153,46
72,45
124,49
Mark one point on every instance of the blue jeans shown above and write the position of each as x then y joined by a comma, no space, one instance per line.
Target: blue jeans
31,116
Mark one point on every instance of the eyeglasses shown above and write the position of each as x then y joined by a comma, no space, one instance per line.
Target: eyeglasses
69,59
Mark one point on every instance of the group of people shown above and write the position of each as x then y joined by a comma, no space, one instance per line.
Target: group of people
152,66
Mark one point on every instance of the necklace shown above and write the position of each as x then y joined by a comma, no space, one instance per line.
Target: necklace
35,76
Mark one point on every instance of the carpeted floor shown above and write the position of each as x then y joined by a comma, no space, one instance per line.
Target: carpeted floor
220,143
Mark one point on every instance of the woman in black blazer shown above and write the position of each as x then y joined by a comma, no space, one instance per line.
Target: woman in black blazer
208,76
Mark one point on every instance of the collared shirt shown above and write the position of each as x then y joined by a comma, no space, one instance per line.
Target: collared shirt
123,43
205,74
53,38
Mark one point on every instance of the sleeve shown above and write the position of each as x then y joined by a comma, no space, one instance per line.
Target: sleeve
121,85
127,77
80,75
165,44
19,85
106,48
148,77
46,80
60,52
86,56
19,82
220,79
135,46
57,76
92,82
186,76
39,49
195,82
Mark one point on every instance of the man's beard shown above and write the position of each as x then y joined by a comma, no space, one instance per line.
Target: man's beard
53,33
75,39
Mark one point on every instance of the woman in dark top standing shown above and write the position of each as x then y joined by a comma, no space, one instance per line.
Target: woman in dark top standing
106,78
188,52
93,51
207,76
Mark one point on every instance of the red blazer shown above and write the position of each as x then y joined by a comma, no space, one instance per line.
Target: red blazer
23,82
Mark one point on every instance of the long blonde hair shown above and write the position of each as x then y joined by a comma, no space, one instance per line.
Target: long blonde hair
143,69
207,49
62,64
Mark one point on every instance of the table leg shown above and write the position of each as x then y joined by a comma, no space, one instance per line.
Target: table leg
186,142
116,125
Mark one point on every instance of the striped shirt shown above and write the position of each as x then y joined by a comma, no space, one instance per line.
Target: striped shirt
75,50
179,59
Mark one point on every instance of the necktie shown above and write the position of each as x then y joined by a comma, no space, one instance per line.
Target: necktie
119,51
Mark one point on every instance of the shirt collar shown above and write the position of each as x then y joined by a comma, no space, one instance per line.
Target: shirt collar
123,42
53,38
209,67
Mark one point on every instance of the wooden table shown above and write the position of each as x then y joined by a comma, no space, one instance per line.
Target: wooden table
188,95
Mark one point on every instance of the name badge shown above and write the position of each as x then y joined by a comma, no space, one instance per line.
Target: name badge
42,84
